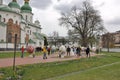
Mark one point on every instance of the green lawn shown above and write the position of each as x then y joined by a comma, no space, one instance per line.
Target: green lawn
11,54
105,67
108,72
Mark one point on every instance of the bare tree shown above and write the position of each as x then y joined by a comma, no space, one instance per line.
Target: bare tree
54,38
85,21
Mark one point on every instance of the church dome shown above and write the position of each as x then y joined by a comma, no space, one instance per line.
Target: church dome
26,7
14,4
5,8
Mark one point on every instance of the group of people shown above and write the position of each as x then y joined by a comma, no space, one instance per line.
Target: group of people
61,50
31,50
73,51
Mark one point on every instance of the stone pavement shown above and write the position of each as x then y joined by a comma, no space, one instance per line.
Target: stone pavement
38,59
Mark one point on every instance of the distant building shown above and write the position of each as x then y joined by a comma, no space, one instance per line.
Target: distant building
57,41
117,39
19,20
111,39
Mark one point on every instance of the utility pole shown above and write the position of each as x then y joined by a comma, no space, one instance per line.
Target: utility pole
14,51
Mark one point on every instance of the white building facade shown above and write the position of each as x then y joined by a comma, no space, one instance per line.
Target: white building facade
19,20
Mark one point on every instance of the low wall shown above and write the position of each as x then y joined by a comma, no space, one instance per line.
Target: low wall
8,46
111,49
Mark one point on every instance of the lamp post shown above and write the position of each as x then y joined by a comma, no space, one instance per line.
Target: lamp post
14,52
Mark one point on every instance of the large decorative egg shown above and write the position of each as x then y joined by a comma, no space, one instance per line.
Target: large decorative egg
30,49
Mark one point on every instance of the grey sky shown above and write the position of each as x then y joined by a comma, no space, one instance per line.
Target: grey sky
48,12
41,4
115,21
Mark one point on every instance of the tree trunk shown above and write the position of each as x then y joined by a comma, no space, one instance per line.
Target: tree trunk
84,42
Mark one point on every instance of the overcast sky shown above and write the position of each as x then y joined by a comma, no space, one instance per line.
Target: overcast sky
48,12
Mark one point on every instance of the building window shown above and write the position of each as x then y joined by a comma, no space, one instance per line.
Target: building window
31,18
26,17
30,32
26,38
3,19
39,43
27,31
9,38
0,17
16,22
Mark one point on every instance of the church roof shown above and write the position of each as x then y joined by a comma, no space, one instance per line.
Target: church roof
34,25
38,36
6,8
31,41
14,4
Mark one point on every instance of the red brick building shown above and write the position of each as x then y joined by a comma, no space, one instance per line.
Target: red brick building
111,39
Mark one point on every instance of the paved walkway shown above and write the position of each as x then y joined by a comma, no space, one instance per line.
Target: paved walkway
38,59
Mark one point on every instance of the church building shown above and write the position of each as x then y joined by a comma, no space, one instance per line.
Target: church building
16,19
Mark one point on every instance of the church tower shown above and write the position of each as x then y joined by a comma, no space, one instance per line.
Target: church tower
1,2
26,11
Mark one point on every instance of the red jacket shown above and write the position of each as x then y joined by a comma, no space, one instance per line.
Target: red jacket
22,49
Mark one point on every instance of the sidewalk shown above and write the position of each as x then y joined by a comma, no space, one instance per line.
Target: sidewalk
38,59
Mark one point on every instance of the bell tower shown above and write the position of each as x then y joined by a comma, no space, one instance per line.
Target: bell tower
1,2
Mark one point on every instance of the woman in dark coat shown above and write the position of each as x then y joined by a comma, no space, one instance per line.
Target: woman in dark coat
88,52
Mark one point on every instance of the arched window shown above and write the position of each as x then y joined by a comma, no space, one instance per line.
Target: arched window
3,19
31,18
10,20
30,32
9,37
16,22
26,17
27,31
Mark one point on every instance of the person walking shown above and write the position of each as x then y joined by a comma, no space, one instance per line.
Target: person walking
49,49
78,51
44,53
68,51
22,52
88,52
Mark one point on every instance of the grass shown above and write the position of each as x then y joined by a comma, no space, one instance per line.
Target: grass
111,72
82,69
11,54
